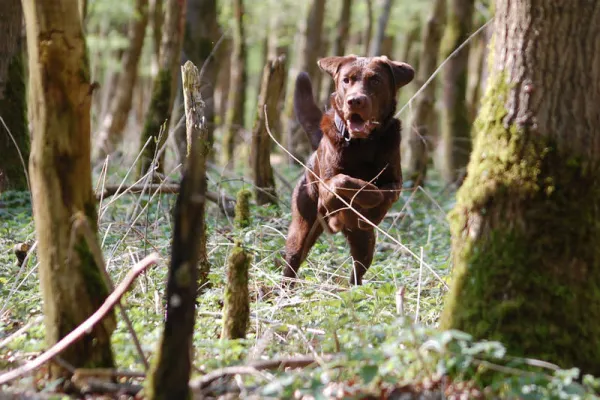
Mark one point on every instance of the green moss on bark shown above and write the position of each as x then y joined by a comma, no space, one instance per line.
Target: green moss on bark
13,109
158,114
236,304
525,231
242,209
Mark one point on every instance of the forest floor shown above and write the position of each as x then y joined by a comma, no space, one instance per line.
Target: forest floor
377,340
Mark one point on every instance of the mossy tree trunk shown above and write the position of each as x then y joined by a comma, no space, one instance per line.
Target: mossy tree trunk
236,102
273,81
423,123
115,120
61,180
13,104
202,32
384,17
342,34
171,371
310,50
163,92
526,225
456,125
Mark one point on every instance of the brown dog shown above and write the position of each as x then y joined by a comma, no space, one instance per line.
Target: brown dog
357,157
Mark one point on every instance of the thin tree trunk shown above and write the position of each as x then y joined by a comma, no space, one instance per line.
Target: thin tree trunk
163,92
61,181
423,124
222,88
13,174
369,27
476,73
273,81
234,117
115,121
309,53
456,124
202,32
342,35
375,46
171,373
156,22
525,231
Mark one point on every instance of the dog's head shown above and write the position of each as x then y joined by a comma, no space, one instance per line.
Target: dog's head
366,89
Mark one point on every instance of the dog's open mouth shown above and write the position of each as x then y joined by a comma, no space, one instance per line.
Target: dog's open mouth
357,124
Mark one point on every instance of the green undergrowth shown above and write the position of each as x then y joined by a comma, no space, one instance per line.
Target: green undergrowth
378,339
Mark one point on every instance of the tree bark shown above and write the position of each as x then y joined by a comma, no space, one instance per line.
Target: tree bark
375,46
423,123
61,181
456,124
524,229
115,121
273,81
342,35
171,373
236,102
13,105
476,74
163,92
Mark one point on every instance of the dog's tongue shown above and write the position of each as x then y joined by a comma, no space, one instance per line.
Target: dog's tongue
356,124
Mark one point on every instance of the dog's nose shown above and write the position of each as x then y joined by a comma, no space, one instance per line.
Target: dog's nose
357,101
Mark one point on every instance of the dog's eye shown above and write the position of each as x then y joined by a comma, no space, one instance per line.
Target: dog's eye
346,80
375,80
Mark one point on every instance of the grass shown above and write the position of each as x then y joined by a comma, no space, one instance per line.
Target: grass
382,335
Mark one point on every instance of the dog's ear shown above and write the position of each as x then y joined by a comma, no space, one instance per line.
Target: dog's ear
402,72
332,65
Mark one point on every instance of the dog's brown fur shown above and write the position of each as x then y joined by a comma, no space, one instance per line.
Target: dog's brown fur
358,158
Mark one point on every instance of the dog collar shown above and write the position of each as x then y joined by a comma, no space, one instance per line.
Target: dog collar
341,127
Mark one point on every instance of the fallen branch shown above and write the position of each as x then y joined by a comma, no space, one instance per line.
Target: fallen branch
251,369
225,203
86,326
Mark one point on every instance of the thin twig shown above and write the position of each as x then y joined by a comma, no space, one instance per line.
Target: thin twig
86,326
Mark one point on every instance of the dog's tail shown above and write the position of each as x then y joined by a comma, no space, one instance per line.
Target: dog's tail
308,113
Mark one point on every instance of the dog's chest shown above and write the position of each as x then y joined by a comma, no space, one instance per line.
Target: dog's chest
362,158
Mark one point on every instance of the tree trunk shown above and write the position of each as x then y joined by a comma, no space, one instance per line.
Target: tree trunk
15,154
273,80
375,46
234,116
171,373
342,35
369,27
156,22
61,181
476,73
115,120
423,124
456,125
525,227
163,92
202,32
310,50
222,89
